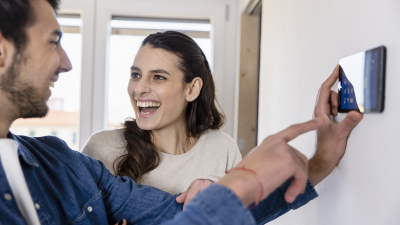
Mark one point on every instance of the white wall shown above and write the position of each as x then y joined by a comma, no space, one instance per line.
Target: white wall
302,41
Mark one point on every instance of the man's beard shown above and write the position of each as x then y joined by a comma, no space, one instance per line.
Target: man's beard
23,96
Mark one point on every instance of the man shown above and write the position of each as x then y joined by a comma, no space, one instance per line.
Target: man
44,182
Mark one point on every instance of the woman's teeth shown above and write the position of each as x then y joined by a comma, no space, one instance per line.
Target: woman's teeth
148,104
51,84
145,105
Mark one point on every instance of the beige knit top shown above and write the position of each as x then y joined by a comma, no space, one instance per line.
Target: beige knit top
214,153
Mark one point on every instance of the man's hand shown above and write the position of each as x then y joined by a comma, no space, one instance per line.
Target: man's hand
331,136
274,161
195,188
122,222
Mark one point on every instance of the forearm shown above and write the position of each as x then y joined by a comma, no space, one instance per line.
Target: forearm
216,205
320,166
275,205
245,187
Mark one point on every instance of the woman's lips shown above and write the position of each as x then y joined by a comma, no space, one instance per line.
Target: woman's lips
145,114
147,107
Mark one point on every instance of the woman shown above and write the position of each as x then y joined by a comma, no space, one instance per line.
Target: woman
175,138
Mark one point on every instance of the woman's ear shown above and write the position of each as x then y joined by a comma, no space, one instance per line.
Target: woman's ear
193,89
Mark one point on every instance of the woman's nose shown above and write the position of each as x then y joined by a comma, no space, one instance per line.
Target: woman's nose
142,87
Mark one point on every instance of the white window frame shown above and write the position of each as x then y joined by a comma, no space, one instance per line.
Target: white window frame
86,9
96,32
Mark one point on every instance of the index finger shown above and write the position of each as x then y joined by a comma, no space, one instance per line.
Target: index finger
294,131
297,185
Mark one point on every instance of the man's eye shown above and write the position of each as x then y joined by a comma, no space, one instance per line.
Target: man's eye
55,42
158,77
135,75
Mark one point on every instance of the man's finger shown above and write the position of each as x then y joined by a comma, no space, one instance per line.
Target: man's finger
122,222
350,121
334,103
293,131
181,198
326,88
297,185
334,99
316,99
302,158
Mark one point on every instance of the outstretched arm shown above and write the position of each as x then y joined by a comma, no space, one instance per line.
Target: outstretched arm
331,136
274,161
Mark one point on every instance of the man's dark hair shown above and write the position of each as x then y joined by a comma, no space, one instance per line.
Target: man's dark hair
16,16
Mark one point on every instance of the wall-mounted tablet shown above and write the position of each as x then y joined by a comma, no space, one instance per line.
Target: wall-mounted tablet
361,84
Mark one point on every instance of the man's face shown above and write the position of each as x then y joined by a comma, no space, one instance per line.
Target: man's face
26,80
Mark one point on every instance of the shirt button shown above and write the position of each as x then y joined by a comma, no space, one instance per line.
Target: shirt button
37,206
89,209
8,197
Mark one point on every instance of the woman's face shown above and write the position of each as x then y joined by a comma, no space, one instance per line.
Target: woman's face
156,89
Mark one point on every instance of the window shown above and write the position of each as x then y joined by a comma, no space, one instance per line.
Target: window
74,138
64,103
126,38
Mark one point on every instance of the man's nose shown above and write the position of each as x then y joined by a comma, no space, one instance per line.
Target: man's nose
65,63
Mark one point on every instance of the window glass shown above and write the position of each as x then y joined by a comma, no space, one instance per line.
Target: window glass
62,119
127,36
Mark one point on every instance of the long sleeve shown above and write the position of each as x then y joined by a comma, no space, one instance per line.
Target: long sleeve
72,188
140,204
216,205
275,205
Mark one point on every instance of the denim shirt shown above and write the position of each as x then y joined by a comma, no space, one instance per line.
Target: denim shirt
68,187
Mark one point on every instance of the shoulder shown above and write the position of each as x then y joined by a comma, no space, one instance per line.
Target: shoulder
46,146
219,138
109,137
105,140
51,141
218,143
115,135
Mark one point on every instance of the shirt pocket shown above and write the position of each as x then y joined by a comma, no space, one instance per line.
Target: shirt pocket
93,212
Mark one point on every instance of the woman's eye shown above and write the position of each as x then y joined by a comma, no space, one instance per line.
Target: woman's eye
135,75
158,77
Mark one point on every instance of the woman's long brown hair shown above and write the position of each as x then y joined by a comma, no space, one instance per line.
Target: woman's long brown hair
201,114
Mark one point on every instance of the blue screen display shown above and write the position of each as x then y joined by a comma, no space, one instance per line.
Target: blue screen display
371,79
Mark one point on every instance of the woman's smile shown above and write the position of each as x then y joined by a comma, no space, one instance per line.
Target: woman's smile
147,108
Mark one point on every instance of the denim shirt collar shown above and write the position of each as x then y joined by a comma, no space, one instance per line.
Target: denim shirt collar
25,154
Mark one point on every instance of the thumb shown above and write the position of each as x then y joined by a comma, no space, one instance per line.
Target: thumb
181,198
350,121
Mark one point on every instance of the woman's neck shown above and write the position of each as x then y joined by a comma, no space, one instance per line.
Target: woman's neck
173,139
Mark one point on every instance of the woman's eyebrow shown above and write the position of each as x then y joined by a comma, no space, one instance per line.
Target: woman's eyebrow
160,71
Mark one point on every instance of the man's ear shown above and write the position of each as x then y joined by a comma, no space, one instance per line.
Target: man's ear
193,89
6,52
2,51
